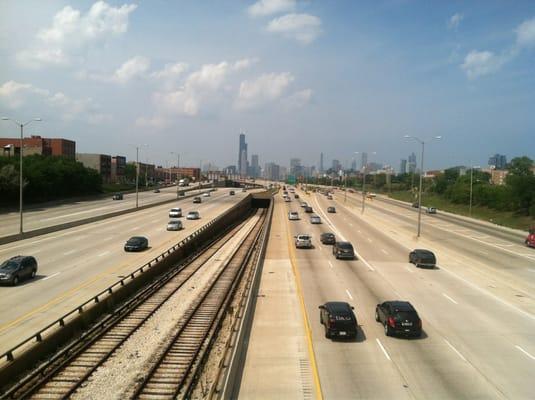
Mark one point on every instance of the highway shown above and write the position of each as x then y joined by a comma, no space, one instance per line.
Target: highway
76,263
478,340
36,217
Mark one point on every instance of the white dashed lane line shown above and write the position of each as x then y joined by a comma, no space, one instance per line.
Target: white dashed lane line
449,298
384,251
69,252
409,269
331,264
383,349
104,254
51,276
525,352
455,350
349,294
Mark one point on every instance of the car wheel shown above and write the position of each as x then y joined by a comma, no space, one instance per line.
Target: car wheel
377,316
34,272
15,281
388,331
327,333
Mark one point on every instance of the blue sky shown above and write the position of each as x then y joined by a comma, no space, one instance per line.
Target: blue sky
298,77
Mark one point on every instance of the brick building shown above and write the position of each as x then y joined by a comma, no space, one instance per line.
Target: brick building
99,162
38,145
118,169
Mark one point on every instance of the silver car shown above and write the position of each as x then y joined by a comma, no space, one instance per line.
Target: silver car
293,216
193,215
303,241
174,225
175,212
315,219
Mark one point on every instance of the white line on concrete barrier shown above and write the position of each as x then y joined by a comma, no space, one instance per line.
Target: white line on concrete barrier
382,348
525,352
455,350
449,298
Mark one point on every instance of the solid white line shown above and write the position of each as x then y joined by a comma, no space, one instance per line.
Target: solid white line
103,254
481,237
384,251
409,269
331,264
504,244
134,229
382,348
51,276
349,295
525,352
69,252
449,298
455,350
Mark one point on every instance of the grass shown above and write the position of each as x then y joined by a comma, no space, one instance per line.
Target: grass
504,218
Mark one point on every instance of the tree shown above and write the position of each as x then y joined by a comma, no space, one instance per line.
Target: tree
521,181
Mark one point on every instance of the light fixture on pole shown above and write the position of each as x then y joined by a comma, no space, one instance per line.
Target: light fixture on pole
471,186
421,177
364,167
177,170
137,171
21,183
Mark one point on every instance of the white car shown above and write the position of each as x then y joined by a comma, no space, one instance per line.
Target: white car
175,212
293,216
431,210
315,219
303,241
174,225
193,215
206,194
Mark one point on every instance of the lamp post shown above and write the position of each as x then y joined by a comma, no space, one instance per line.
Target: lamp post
21,184
364,167
471,186
421,177
177,168
137,172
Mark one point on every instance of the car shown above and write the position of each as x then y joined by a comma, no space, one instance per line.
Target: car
331,209
231,193
415,205
303,241
293,216
117,196
371,195
18,268
303,204
431,210
296,196
174,225
315,219
197,200
206,194
287,199
244,190
136,243
530,240
422,258
338,319
344,250
156,190
399,318
329,197
181,193
193,215
309,209
327,238
175,212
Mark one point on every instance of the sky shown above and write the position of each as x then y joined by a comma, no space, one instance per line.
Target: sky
298,77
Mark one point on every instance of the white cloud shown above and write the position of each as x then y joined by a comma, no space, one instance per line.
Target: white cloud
171,71
16,95
265,88
479,63
179,102
133,68
304,28
72,31
244,63
525,33
269,7
455,21
298,99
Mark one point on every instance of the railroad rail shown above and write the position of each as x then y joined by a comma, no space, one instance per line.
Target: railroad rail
64,373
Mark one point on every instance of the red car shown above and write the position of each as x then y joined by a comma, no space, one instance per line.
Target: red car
530,240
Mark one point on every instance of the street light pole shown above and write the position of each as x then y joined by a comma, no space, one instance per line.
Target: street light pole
471,187
364,167
421,179
137,176
21,183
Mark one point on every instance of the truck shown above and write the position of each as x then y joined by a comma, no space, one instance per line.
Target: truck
183,182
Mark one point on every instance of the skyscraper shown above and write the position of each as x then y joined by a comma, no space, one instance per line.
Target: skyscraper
336,165
242,156
255,167
295,167
412,163
321,163
403,167
499,161
354,165
364,161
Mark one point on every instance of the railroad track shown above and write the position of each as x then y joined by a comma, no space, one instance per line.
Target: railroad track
61,376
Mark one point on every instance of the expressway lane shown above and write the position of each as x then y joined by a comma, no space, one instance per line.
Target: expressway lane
458,356
36,217
77,263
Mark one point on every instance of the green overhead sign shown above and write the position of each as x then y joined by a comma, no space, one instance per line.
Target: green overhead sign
290,180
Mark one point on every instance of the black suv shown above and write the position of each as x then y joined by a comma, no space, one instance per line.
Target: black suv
328,238
343,250
17,268
136,243
422,258
339,319
399,318
118,196
308,209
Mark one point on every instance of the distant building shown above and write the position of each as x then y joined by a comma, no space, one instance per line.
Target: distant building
98,162
169,174
336,166
354,165
296,168
412,163
497,176
373,166
255,167
38,145
321,163
242,156
498,161
403,167
364,161
272,171
118,169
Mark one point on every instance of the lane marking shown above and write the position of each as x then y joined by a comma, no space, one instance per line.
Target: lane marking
104,254
525,352
359,231
369,240
531,270
349,294
455,350
382,348
384,251
350,224
134,229
51,276
69,252
449,298
331,264
409,269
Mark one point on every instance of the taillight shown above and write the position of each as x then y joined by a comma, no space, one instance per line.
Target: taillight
391,322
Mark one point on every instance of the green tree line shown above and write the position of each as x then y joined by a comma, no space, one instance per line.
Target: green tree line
46,178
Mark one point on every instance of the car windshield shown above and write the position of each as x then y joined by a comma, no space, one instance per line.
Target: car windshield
9,265
303,237
345,245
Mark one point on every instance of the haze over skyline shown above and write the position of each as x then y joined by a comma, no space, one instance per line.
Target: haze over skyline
297,77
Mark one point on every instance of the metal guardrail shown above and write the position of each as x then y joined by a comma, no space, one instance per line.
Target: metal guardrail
60,322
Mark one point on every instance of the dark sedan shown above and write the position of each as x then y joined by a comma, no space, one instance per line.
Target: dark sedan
338,319
344,250
136,243
308,209
328,238
399,318
422,258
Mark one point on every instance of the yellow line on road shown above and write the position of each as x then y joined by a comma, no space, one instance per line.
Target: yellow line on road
310,346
